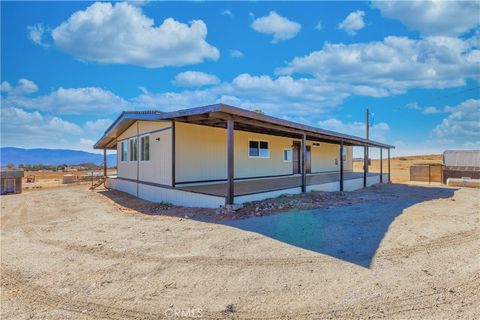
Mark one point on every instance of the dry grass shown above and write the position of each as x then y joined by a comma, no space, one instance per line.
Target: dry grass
400,166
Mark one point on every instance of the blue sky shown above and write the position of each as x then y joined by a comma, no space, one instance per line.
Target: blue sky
69,68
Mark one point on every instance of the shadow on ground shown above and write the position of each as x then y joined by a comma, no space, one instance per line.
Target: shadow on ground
350,232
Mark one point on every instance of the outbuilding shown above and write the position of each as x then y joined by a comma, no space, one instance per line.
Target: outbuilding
461,164
11,181
219,154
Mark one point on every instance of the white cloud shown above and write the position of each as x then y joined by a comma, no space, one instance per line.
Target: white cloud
353,22
431,110
195,79
319,26
236,54
90,100
24,86
36,33
280,27
28,129
446,18
283,96
462,125
98,126
378,131
413,106
227,12
394,65
122,34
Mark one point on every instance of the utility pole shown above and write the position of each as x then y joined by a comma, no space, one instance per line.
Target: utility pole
367,136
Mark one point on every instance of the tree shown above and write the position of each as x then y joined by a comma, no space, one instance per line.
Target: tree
258,111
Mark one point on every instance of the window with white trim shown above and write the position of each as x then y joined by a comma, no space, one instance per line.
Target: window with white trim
133,149
258,149
145,148
124,151
287,155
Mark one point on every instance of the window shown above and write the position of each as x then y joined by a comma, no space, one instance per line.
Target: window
258,149
344,154
133,149
124,151
287,155
145,148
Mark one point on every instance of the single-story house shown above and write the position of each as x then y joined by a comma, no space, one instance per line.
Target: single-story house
218,154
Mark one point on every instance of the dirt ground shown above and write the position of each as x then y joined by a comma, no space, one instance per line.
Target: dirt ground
400,166
405,252
49,179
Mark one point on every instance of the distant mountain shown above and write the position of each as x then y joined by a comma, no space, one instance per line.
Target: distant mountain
51,156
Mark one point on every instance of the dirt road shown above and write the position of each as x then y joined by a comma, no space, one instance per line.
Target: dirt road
410,252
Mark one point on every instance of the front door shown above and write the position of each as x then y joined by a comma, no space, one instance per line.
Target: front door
296,156
308,161
9,185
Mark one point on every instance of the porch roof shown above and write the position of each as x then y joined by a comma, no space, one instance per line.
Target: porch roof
217,115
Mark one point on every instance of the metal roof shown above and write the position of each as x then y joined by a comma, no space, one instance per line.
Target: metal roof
245,120
461,158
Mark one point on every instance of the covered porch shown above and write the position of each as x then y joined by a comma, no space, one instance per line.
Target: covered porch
317,181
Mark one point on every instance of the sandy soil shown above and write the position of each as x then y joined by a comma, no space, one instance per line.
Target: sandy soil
409,252
400,166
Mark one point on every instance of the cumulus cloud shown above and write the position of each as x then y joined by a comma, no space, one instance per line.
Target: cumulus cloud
446,18
236,54
121,34
24,86
27,129
195,79
98,126
90,100
280,27
394,65
462,125
378,131
353,22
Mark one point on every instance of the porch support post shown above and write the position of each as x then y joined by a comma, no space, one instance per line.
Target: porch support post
230,155
341,165
104,162
389,178
381,165
304,162
365,166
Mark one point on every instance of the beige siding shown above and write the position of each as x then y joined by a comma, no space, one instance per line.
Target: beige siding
159,168
201,154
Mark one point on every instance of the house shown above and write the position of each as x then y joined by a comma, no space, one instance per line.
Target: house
461,164
11,181
218,154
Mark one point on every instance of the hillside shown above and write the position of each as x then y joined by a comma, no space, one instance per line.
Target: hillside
51,156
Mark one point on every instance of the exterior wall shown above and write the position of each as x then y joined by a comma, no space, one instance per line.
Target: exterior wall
201,155
159,168
324,156
159,194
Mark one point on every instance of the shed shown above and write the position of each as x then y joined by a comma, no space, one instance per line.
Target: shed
11,181
461,164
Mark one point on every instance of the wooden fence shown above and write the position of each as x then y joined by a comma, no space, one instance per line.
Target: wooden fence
426,172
